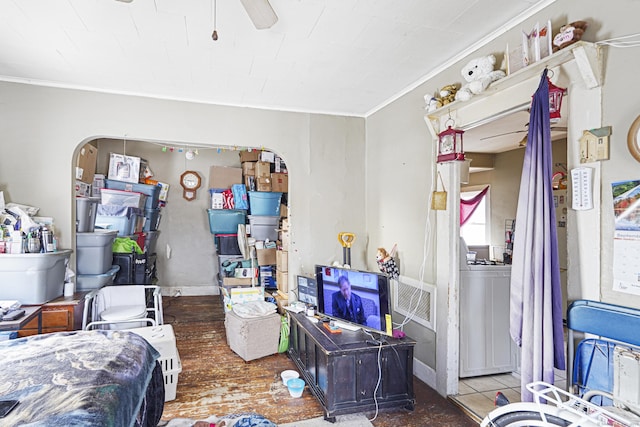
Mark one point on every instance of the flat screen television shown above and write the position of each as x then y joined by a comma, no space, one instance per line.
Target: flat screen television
369,299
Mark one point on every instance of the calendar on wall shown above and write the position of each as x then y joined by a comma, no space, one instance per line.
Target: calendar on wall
626,243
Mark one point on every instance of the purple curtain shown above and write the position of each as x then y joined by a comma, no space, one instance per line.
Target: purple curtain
536,299
468,207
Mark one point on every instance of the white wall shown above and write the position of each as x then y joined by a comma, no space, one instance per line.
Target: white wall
43,128
399,125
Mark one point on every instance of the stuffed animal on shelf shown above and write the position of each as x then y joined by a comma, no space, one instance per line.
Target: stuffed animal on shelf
478,74
444,96
569,34
386,263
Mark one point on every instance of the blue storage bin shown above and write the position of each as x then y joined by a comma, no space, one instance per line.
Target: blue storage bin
151,191
121,218
152,219
226,221
264,203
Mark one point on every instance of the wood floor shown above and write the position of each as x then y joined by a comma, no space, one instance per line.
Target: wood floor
216,381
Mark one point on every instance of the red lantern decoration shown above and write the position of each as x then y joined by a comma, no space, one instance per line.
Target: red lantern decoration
450,145
555,101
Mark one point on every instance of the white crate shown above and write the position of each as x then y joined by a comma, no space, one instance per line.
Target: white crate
170,376
161,337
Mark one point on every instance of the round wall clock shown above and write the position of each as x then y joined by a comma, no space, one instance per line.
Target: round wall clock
190,182
633,139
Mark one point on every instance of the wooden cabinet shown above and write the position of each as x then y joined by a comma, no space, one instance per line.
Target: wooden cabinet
61,314
342,372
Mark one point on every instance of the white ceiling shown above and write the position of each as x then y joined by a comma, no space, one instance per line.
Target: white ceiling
348,57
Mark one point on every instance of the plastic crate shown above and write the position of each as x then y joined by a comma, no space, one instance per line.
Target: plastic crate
151,191
171,382
125,220
86,208
132,199
226,221
264,203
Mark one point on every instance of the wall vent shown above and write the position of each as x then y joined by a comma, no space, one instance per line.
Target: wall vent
416,300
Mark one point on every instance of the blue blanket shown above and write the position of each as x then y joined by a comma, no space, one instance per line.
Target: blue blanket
82,378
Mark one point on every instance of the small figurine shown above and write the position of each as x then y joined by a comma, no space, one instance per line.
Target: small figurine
386,263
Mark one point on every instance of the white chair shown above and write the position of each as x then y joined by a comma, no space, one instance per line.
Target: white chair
122,307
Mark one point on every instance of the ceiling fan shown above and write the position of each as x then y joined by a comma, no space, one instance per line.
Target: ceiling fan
260,12
553,128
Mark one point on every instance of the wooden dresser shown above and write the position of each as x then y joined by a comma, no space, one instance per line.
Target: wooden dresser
60,314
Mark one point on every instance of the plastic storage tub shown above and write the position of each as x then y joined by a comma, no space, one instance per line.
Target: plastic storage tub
264,203
125,220
226,221
227,244
86,208
94,251
151,241
87,282
264,227
151,191
132,199
152,219
33,278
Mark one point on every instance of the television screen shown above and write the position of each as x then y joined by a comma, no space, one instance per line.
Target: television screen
358,297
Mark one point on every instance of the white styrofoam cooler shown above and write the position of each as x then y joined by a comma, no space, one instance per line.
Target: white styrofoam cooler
33,278
162,338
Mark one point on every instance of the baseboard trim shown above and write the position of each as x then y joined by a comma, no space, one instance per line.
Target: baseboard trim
190,291
425,373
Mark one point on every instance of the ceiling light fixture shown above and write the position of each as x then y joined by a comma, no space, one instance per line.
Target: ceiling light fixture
214,36
260,12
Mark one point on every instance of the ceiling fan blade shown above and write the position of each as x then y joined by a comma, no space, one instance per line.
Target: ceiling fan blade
503,134
260,12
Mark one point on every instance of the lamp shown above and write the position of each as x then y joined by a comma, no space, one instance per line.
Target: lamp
260,12
555,101
450,144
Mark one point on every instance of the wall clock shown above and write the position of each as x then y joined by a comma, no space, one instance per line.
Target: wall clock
190,182
633,139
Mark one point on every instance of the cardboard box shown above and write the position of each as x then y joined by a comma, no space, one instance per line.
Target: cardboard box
280,182
284,224
86,166
282,260
282,280
263,184
249,169
266,256
285,239
237,281
124,168
224,177
83,189
284,211
263,170
267,156
241,295
281,301
249,156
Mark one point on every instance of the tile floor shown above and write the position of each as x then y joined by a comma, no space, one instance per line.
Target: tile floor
476,395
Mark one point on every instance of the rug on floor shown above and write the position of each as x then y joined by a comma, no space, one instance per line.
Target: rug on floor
354,420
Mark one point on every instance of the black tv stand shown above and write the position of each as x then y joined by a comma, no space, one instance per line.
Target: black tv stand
341,370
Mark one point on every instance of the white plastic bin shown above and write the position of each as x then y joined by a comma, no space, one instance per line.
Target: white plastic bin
264,227
33,278
95,251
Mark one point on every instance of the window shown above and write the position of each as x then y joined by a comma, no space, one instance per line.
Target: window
476,231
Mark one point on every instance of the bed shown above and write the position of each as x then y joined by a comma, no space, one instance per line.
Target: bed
82,378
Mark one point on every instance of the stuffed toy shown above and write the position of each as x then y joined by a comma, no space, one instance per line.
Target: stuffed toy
386,263
444,96
569,34
479,74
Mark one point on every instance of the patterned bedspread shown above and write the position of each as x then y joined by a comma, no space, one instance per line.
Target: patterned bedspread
82,378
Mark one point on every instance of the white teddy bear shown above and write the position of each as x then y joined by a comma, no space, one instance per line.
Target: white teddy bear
479,74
